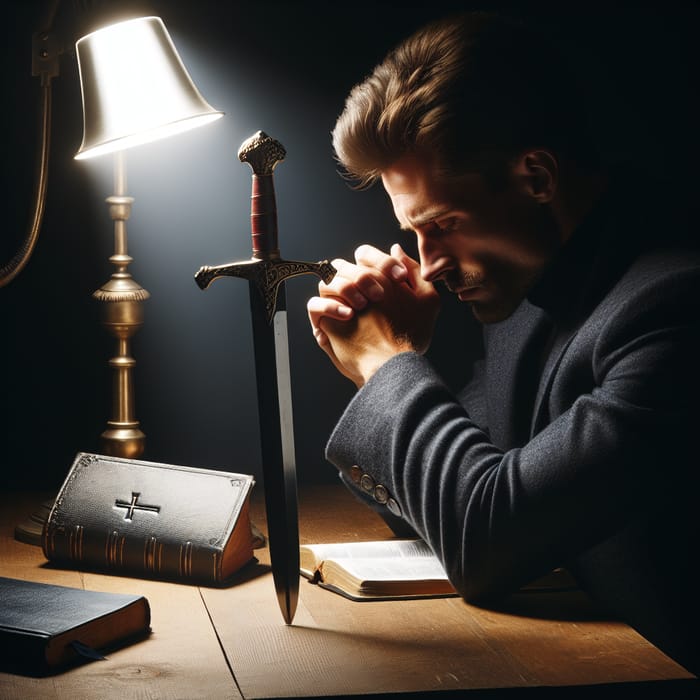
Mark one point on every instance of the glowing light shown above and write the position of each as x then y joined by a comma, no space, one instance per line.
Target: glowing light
135,88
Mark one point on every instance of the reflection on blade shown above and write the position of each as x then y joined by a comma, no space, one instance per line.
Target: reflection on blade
277,446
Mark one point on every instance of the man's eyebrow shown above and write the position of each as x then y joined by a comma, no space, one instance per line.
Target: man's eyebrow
421,218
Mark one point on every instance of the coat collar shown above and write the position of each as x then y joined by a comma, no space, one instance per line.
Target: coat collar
580,267
524,350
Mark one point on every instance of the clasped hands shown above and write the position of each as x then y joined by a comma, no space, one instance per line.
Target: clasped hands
373,309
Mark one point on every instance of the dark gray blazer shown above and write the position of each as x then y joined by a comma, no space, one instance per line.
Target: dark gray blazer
573,445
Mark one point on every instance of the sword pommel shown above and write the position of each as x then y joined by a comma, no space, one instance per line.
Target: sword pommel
263,153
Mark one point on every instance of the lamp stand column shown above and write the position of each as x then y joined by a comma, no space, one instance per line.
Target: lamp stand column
122,315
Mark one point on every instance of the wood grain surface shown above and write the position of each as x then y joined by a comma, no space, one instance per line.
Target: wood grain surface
232,642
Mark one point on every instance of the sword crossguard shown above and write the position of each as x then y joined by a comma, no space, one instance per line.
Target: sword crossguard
266,274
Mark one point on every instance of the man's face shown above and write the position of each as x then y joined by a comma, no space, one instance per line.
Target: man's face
487,246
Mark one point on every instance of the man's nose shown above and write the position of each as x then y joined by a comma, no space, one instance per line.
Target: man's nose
433,261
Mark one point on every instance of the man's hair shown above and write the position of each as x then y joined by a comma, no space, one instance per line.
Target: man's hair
471,90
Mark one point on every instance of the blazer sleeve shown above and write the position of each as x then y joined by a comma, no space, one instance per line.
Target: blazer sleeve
619,444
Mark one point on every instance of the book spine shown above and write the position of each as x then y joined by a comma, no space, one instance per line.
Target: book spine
113,551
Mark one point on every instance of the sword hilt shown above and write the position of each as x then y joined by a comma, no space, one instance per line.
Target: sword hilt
266,270
263,153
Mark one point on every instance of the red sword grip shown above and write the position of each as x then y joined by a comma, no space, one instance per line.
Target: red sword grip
263,217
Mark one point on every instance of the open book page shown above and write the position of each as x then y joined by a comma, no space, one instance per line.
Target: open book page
373,569
376,570
311,555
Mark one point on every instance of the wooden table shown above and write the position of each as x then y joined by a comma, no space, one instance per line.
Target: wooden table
232,643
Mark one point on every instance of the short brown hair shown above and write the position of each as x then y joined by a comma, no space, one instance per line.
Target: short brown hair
472,90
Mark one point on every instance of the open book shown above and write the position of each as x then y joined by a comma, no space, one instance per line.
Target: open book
376,570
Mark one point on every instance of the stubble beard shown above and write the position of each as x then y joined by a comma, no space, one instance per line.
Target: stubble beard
500,306
455,280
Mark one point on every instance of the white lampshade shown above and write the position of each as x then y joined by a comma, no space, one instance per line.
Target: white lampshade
135,87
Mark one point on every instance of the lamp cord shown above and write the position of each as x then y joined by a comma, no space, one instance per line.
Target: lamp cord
45,65
9,271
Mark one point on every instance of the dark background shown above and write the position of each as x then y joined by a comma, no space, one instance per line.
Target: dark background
284,68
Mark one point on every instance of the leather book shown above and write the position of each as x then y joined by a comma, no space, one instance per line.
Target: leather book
151,520
45,627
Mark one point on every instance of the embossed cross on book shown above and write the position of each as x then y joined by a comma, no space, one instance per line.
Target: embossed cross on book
133,505
158,520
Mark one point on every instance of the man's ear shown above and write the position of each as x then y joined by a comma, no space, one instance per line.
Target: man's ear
538,174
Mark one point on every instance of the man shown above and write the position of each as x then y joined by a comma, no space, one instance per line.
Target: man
571,444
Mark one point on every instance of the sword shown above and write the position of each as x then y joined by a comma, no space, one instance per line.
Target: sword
266,273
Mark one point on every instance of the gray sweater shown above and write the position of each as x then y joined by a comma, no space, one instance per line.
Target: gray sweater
572,446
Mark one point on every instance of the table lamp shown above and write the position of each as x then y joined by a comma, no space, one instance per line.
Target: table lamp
135,89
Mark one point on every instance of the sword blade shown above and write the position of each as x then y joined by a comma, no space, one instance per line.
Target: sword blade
277,447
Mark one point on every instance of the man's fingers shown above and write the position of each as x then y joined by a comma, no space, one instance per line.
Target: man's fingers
320,307
389,265
321,338
402,256
353,284
357,284
413,277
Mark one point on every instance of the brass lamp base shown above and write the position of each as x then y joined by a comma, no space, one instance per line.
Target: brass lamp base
122,440
122,315
29,531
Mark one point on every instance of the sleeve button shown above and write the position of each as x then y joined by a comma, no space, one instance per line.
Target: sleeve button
367,483
381,494
394,507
